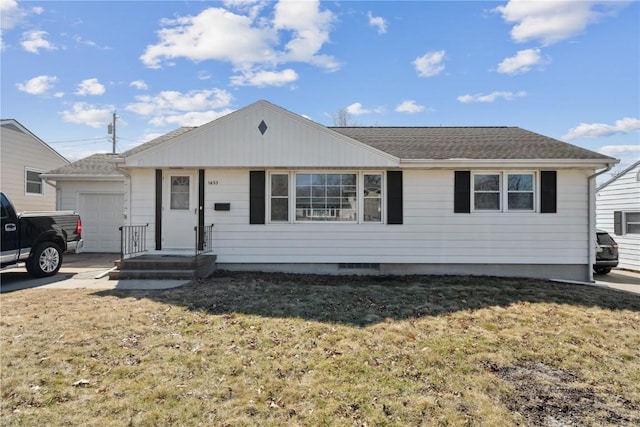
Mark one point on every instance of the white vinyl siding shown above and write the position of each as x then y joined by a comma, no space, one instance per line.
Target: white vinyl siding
431,233
622,194
19,151
290,141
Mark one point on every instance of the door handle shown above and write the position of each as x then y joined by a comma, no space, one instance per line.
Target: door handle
9,227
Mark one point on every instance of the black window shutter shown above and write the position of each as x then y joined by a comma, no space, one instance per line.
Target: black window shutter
394,197
548,193
462,192
158,234
617,223
257,197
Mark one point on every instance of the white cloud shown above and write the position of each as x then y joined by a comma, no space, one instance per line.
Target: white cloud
378,22
491,97
409,106
248,41
522,62
39,85
90,115
430,64
620,150
33,41
265,78
595,130
552,21
194,118
356,109
185,109
309,27
11,15
139,84
90,87
204,75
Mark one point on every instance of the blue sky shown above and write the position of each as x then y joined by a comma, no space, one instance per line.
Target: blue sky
565,69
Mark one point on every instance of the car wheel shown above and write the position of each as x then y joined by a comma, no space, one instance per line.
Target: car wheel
45,261
602,270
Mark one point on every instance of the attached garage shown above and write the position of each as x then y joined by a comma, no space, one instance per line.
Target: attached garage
93,187
101,216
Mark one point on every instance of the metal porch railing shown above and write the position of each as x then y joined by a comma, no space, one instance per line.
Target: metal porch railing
133,240
204,239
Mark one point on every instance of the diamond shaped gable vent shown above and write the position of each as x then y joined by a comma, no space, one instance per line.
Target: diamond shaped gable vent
262,127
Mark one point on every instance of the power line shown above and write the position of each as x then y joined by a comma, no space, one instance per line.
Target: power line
75,140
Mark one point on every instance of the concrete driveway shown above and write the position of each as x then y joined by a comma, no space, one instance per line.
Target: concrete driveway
80,271
620,279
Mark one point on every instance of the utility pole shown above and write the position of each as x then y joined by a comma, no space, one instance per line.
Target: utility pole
112,131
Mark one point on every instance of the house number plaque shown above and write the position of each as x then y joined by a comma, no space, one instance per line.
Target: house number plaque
212,182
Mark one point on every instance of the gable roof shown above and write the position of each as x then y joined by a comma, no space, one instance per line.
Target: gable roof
16,126
439,143
619,175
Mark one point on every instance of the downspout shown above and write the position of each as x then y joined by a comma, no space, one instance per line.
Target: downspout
592,219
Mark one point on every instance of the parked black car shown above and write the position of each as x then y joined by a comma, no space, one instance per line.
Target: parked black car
606,253
37,239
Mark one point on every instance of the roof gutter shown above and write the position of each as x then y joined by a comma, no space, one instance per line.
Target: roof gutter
591,238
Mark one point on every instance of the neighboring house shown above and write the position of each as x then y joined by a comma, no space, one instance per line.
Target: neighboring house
288,194
24,157
618,213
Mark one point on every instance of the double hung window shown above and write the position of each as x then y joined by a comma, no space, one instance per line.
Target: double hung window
632,222
508,191
33,182
279,197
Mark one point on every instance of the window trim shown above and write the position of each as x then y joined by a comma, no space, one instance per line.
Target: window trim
625,222
504,191
473,191
270,197
26,182
292,201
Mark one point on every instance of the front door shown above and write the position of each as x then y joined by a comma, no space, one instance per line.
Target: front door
180,210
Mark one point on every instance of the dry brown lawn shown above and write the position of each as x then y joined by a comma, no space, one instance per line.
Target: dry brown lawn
269,349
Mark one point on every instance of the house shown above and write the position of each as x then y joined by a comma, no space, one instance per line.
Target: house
287,194
618,213
24,157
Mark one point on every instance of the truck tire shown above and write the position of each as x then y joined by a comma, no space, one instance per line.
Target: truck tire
45,261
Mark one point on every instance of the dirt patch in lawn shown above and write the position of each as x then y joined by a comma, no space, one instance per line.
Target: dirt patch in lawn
548,396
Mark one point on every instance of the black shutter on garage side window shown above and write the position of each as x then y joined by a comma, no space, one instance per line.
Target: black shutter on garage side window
548,192
394,197
617,223
257,197
462,192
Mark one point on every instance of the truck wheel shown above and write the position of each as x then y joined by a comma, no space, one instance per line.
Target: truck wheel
602,270
45,261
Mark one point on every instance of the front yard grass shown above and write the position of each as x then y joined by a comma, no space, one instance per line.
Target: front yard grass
271,349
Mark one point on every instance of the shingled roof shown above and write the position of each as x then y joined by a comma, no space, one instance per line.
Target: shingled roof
438,143
408,143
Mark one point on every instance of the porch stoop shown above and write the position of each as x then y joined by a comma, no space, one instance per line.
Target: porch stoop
167,267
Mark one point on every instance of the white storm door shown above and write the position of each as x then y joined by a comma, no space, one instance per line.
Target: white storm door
180,210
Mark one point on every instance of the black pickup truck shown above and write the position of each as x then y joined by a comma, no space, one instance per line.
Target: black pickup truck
37,239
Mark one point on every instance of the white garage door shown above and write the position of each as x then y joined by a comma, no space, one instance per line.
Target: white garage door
101,216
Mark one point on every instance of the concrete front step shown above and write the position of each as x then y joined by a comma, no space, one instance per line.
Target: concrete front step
168,267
